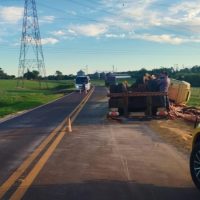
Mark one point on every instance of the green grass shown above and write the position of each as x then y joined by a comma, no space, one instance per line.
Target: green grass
195,97
98,82
14,99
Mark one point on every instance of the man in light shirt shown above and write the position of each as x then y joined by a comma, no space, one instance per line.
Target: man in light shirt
164,83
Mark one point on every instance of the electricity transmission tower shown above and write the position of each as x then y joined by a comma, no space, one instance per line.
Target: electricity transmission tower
31,54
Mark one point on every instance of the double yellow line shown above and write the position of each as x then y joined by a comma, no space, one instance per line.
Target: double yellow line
28,180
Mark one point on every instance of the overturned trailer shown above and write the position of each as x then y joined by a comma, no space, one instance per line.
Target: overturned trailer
123,101
144,99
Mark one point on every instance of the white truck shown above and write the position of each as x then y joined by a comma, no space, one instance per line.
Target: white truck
82,83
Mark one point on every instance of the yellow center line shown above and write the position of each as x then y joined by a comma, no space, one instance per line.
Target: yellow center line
21,169
21,190
19,193
77,111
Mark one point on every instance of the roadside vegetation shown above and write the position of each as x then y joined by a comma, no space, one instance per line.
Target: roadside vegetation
14,99
100,82
195,97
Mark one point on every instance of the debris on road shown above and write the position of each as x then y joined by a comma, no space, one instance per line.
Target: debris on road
184,112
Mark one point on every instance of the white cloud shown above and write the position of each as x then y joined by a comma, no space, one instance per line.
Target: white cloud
59,33
71,12
190,9
123,19
47,19
44,41
160,38
49,41
164,38
92,30
72,32
173,23
11,14
135,12
110,35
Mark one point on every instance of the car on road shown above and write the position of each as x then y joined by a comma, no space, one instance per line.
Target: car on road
195,156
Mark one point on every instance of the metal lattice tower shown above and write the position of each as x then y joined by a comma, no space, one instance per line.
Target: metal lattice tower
31,53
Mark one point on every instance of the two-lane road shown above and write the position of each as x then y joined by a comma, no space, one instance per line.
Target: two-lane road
21,135
104,160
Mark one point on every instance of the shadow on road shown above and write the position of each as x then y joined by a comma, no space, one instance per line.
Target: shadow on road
110,190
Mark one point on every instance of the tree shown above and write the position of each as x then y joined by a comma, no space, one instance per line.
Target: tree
59,75
31,75
35,74
102,75
195,69
2,74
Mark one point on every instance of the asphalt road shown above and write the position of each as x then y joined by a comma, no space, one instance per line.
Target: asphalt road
103,160
21,135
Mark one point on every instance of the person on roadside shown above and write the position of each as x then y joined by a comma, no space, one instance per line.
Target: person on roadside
84,88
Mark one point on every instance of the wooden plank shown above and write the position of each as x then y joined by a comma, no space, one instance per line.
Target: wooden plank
137,94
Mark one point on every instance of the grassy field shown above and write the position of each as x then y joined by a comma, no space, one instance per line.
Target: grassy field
14,99
102,82
98,82
195,97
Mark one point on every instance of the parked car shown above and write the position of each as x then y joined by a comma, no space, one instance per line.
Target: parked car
195,156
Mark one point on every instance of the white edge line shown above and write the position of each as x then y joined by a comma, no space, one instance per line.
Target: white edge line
30,110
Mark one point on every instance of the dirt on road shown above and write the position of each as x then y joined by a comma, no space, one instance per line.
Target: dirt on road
176,132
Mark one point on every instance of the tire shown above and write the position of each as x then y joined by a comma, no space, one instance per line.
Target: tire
195,165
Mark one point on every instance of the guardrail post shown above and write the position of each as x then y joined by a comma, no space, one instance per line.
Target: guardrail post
69,125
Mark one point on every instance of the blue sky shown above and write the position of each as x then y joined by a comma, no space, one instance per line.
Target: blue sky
129,34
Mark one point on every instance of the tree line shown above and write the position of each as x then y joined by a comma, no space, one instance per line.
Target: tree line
191,75
3,75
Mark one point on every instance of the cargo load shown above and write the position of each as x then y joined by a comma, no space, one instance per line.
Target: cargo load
179,92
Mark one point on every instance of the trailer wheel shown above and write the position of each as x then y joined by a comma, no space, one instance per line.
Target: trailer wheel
195,165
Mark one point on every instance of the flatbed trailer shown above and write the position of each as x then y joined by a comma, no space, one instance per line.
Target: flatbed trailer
149,96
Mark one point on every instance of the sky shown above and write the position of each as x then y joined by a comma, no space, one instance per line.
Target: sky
99,34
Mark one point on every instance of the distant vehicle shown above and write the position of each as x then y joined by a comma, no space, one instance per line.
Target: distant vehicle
110,80
113,79
195,156
82,83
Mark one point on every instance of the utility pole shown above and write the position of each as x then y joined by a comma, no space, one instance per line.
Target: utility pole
113,68
31,54
86,69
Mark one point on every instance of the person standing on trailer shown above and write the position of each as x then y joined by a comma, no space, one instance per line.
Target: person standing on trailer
164,83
